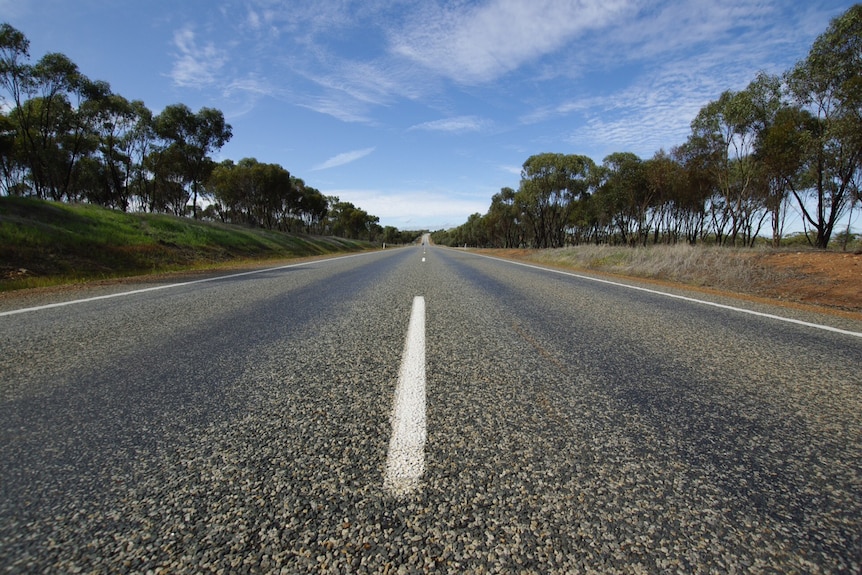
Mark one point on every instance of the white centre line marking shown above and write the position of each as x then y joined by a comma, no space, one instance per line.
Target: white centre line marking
405,462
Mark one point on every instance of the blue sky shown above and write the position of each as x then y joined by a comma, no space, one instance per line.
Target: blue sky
418,111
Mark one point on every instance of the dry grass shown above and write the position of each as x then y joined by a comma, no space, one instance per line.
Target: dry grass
715,267
828,280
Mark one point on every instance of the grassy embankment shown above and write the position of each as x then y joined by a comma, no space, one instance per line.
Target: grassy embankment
47,243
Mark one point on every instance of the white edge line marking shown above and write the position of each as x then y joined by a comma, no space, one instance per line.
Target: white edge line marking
173,285
675,296
405,460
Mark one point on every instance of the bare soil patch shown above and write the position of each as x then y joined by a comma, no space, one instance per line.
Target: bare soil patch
832,279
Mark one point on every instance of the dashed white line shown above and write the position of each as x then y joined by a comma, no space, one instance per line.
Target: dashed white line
405,461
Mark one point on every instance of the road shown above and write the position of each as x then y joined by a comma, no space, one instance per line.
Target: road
243,424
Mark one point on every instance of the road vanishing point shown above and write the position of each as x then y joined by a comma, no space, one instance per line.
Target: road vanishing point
425,410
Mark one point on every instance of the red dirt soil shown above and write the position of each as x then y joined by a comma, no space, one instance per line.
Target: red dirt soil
832,279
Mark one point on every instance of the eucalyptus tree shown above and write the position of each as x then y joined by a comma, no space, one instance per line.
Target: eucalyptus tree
51,109
828,85
348,221
48,129
783,152
123,131
79,140
726,129
166,190
665,180
311,207
48,125
624,193
135,145
475,232
253,192
258,199
192,137
230,200
275,195
10,167
550,186
14,81
502,220
697,188
590,221
14,67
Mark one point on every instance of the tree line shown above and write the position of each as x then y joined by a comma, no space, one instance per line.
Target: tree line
65,137
792,139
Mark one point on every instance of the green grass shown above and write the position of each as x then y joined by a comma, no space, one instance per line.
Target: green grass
48,243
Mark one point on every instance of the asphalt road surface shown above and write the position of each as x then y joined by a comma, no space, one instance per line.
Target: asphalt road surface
550,423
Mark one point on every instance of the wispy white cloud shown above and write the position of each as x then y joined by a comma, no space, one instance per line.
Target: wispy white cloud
456,125
564,108
368,82
195,66
337,106
681,26
308,18
412,209
242,94
641,81
655,110
477,43
254,20
626,74
250,85
468,42
342,159
345,86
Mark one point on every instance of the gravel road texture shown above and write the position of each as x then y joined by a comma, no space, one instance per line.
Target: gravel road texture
241,425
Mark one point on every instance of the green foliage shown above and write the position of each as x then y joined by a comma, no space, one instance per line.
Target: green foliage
827,85
347,221
551,184
254,193
190,138
392,236
444,237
